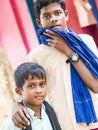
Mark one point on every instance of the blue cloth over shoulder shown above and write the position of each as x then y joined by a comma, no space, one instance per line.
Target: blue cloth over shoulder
83,104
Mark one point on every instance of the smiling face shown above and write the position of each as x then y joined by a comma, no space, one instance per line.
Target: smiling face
34,91
53,15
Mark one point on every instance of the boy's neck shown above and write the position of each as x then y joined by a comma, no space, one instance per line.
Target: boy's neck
36,109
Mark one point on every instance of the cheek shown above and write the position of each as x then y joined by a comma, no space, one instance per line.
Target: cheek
45,24
45,92
64,24
28,94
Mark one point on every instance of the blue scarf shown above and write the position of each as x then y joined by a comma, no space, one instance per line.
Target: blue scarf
83,104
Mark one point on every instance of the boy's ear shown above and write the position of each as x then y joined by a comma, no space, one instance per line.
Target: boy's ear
18,91
66,14
38,22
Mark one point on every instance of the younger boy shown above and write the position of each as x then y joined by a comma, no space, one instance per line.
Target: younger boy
30,79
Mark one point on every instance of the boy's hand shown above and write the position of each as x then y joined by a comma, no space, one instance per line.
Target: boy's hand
58,42
20,116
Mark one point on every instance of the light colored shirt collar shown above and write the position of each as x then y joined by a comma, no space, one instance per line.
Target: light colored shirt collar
31,112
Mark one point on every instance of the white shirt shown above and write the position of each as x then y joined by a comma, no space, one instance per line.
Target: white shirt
36,124
59,83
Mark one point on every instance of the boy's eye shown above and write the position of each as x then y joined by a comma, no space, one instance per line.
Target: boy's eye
31,86
57,13
43,84
47,17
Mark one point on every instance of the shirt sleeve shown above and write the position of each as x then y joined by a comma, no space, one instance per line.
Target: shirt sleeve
90,43
9,125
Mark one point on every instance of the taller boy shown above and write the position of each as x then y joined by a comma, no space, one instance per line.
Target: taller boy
52,14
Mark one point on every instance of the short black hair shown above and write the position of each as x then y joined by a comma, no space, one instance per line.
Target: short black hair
26,69
39,4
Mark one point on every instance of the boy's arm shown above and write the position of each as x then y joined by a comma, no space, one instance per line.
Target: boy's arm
61,45
20,115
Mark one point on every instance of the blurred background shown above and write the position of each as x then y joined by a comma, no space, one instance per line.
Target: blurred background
18,35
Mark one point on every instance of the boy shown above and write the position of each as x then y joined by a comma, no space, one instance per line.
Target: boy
30,79
52,14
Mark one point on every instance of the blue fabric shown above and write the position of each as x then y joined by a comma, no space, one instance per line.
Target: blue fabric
83,105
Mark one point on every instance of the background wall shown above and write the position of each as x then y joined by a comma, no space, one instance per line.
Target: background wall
17,28
17,34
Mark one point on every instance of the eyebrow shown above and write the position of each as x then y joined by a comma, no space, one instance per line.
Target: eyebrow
49,13
45,14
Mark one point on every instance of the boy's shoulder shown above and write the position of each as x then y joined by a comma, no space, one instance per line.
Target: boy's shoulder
89,41
9,125
46,102
40,48
85,36
40,53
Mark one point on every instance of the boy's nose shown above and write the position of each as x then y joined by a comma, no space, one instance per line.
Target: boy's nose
53,19
38,89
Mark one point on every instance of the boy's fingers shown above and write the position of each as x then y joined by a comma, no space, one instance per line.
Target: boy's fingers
25,112
17,124
51,32
51,44
49,35
20,115
20,119
22,126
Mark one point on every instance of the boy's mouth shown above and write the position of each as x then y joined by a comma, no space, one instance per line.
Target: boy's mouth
57,26
40,97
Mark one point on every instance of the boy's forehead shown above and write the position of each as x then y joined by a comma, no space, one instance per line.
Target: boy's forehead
30,77
50,8
35,80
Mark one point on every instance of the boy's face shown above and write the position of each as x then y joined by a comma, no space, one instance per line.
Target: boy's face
53,16
34,91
